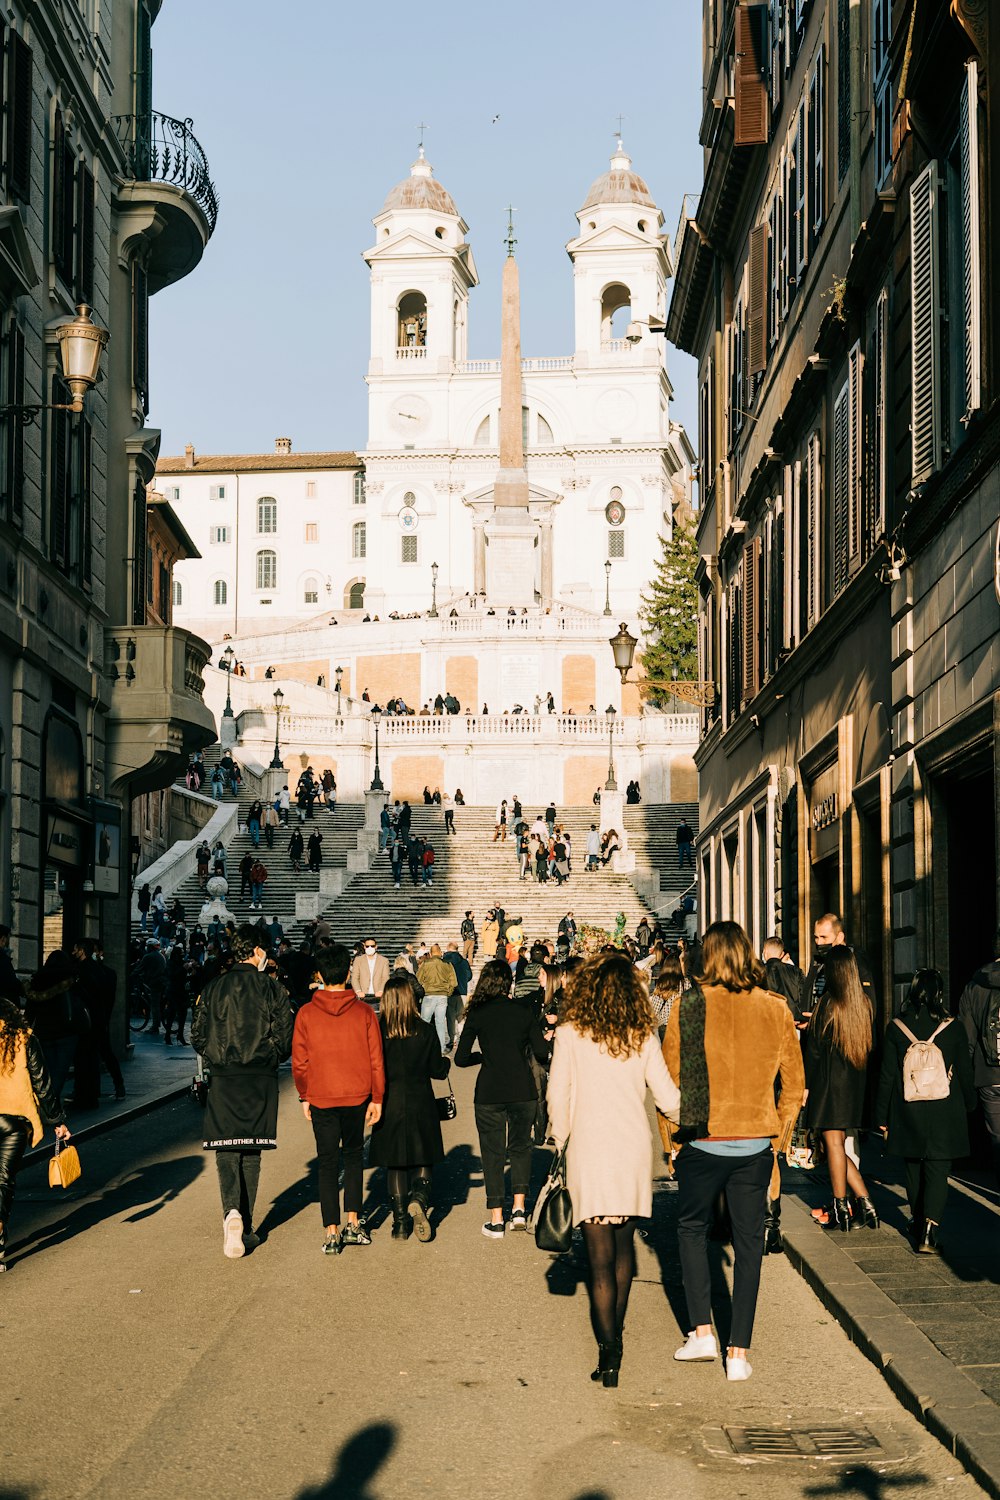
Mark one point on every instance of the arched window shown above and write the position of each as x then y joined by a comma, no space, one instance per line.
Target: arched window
357,596
221,591
359,487
177,593
544,430
482,437
267,570
412,312
310,591
359,539
616,312
409,498
267,515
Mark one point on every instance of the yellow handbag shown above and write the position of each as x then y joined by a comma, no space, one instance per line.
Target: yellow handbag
64,1168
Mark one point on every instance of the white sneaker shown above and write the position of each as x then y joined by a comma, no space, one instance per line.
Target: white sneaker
738,1369
698,1349
232,1235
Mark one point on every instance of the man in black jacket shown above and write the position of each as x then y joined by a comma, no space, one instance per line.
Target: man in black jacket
979,1013
98,984
242,1026
784,978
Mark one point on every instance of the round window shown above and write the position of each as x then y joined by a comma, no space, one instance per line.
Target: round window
616,492
409,498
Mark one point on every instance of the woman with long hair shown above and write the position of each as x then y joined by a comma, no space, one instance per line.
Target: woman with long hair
506,1097
26,1097
727,1039
839,1041
407,1139
606,1056
667,988
929,1133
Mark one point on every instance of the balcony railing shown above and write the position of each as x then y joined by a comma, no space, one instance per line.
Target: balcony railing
159,148
411,351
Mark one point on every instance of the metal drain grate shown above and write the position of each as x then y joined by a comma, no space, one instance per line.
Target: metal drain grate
802,1442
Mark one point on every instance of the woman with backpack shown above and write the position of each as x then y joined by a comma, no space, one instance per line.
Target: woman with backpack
839,1041
925,1093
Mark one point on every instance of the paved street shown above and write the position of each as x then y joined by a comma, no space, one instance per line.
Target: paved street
140,1363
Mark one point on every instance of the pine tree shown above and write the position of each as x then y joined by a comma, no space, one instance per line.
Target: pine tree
669,615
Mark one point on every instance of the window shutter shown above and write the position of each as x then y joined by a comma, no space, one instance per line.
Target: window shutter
817,142
84,234
841,486
788,556
774,27
969,148
139,554
801,191
784,211
60,478
925,324
814,483
751,608
751,75
85,494
855,367
877,451
140,344
65,207
843,89
757,315
19,90
13,430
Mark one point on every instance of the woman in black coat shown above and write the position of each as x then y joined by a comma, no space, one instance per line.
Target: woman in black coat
838,1046
407,1139
929,1134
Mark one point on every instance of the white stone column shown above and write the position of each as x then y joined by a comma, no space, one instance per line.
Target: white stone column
479,557
546,529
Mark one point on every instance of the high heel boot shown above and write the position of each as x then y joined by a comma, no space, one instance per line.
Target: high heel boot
866,1213
773,1243
402,1224
609,1359
417,1205
840,1215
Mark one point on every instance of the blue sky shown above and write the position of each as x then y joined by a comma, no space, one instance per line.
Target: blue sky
308,115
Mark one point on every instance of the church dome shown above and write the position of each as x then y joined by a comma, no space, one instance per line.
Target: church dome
620,185
421,190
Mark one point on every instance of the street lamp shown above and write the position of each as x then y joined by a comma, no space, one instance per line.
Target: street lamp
611,784
434,591
227,657
623,648
339,674
276,764
607,588
376,785
81,344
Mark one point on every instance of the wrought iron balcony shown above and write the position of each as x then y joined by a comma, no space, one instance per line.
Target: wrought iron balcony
159,148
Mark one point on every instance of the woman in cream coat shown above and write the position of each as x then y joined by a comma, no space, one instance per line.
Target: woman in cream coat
606,1056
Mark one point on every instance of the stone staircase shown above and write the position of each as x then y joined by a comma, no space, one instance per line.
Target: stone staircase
652,838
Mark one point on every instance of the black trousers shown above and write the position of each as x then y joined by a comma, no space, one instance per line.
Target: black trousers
927,1188
505,1130
340,1131
701,1177
239,1178
15,1138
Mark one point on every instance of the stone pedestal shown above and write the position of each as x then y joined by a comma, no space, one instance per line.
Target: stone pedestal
227,730
510,559
613,816
374,803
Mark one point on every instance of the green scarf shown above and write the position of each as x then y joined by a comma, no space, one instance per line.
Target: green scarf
693,1081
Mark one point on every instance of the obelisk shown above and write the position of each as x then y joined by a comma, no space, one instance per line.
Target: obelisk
511,532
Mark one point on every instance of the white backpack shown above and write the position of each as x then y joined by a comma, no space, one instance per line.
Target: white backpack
924,1073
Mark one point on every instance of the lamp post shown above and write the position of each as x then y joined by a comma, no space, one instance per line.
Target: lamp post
376,785
81,344
278,699
339,674
227,656
607,588
611,784
434,591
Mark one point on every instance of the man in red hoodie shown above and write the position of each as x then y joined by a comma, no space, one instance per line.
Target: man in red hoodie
339,1073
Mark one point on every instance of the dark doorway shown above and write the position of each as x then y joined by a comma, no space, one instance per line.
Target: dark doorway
972,876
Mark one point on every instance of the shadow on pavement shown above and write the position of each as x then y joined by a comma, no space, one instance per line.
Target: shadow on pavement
292,1201
145,1192
866,1482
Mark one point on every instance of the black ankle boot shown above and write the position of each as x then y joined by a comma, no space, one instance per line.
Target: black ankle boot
609,1359
865,1213
773,1243
402,1224
840,1215
419,1201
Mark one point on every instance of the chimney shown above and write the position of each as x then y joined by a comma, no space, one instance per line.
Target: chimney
189,456
282,445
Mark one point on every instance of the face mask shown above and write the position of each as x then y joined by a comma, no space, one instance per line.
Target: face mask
820,950
370,952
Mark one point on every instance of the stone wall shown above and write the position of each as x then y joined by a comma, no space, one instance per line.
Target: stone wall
393,675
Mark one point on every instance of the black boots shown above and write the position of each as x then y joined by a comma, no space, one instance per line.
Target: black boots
865,1214
609,1362
840,1215
773,1243
402,1224
417,1206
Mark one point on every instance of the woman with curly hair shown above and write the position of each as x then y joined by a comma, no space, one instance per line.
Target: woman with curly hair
26,1094
606,1056
506,1096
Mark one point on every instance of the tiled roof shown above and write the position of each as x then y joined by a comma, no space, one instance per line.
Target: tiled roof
259,463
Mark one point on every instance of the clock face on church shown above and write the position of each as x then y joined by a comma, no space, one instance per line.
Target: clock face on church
409,414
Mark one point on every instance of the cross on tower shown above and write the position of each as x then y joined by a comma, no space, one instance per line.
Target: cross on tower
618,132
421,128
510,241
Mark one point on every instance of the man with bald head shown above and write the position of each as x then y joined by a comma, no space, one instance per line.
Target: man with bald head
439,981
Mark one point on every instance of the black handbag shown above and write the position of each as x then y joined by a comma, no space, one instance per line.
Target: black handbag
553,1215
446,1107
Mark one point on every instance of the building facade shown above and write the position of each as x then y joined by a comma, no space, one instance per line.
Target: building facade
95,705
831,284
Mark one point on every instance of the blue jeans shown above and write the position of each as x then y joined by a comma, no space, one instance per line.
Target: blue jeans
684,856
256,891
255,834
217,790
435,1008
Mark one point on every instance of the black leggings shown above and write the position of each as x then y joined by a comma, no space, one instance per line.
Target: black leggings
398,1180
15,1138
611,1253
239,1176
